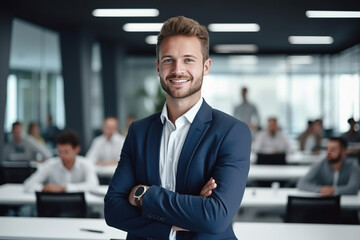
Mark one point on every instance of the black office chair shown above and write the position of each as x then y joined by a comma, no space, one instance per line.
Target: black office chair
15,172
61,204
271,159
313,210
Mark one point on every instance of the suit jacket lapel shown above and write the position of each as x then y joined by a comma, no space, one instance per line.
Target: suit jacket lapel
153,151
196,133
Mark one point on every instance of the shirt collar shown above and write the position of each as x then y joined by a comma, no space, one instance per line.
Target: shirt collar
189,115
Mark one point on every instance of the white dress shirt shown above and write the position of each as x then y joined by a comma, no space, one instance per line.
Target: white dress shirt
172,141
104,149
268,144
81,177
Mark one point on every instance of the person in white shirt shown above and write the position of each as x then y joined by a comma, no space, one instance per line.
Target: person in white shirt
106,148
272,140
66,173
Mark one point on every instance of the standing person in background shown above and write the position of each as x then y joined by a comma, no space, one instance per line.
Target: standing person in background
106,148
247,112
22,148
68,172
182,172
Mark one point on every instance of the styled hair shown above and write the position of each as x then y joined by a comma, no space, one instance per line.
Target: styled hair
68,137
342,141
184,26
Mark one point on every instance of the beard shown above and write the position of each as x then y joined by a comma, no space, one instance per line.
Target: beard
334,160
190,91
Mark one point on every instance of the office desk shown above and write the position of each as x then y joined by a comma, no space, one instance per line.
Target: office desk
277,198
69,228
257,172
56,228
277,172
13,194
285,231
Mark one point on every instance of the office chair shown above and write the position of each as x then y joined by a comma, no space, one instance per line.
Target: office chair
61,204
271,159
313,210
15,173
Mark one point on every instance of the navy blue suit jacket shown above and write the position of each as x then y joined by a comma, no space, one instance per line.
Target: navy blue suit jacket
217,145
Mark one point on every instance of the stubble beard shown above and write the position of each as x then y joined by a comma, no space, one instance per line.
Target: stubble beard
192,90
334,160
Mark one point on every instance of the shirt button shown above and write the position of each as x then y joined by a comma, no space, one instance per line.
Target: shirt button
170,160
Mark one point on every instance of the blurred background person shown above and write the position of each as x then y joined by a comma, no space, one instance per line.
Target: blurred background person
334,175
247,112
23,148
34,132
68,172
310,139
353,134
271,140
106,148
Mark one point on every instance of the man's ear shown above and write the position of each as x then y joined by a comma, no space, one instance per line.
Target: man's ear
207,66
157,67
77,149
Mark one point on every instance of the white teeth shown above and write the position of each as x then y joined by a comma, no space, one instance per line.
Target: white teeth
180,81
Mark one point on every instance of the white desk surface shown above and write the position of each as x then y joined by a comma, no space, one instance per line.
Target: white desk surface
286,231
257,172
14,194
269,198
56,228
277,172
69,228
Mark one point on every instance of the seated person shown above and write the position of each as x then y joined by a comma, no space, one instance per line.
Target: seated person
334,175
24,148
106,148
353,134
66,173
34,132
310,139
271,140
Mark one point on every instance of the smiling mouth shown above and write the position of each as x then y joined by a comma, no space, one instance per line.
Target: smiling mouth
179,80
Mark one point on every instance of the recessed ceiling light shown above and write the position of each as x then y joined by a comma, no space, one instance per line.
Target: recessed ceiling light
152,39
142,27
125,12
235,48
332,14
300,59
311,40
234,27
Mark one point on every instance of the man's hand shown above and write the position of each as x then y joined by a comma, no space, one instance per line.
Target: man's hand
206,191
327,191
53,188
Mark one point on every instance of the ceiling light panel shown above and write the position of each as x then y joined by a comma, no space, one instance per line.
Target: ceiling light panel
126,12
332,14
142,27
311,40
151,39
234,27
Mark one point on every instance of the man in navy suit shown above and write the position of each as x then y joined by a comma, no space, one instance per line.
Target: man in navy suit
182,172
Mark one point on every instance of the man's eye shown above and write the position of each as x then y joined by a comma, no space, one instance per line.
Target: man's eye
167,61
189,60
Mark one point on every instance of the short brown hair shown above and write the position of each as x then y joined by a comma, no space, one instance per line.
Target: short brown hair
184,26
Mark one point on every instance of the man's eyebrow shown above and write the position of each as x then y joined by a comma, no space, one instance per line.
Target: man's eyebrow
189,55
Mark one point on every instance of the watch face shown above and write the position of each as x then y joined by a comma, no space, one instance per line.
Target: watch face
140,190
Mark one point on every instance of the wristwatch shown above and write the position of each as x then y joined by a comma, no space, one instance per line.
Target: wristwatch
139,193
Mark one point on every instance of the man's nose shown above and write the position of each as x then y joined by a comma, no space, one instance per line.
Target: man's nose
178,68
